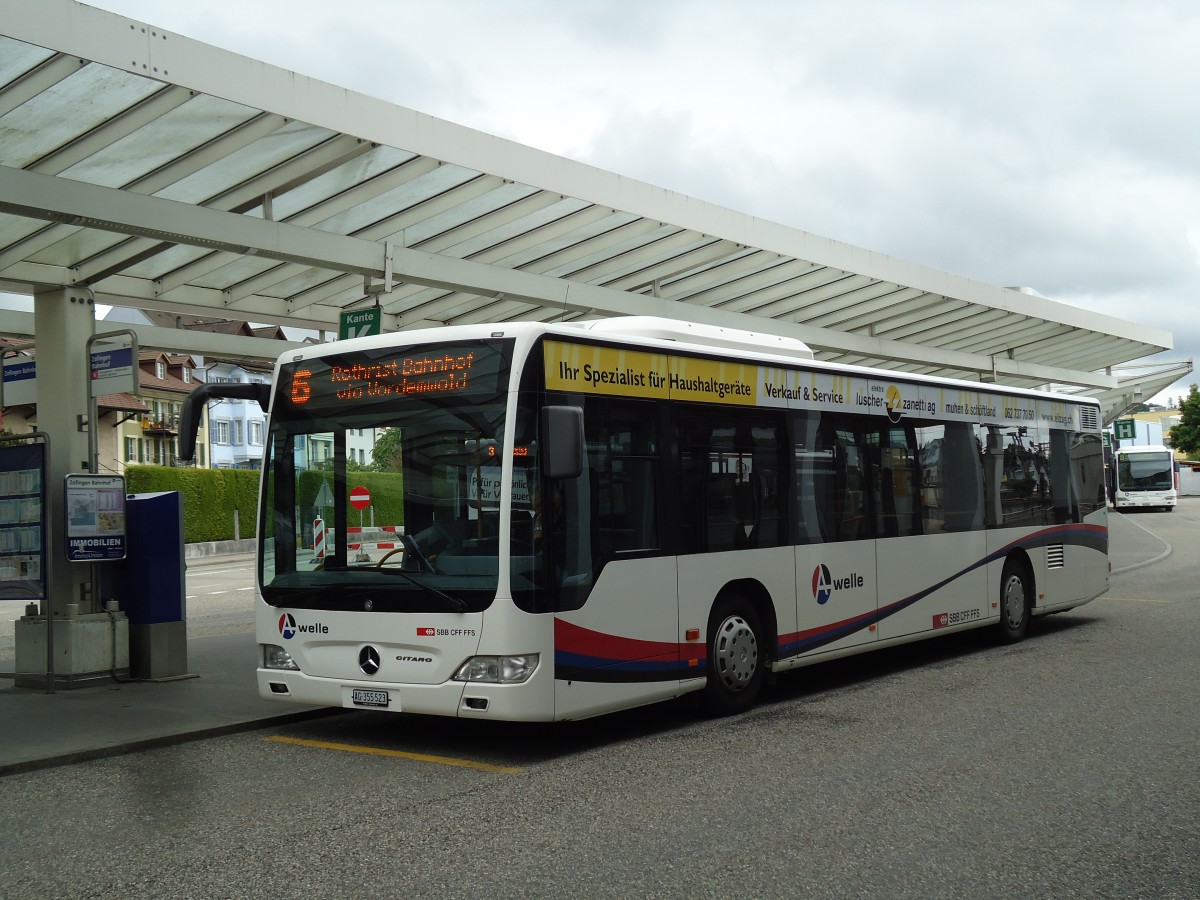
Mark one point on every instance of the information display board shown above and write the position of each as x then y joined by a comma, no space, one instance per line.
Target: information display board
18,381
95,517
22,521
113,370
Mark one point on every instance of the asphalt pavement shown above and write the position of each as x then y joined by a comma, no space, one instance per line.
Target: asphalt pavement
220,694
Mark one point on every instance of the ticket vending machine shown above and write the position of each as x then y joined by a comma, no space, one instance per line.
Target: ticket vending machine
149,585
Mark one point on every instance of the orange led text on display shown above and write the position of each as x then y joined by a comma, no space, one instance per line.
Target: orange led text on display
301,389
426,374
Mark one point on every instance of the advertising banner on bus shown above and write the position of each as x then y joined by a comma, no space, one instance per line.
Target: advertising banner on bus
591,369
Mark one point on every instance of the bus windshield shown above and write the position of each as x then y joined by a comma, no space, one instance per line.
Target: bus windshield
1145,472
383,468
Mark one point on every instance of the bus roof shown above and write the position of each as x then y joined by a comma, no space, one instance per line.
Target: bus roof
662,334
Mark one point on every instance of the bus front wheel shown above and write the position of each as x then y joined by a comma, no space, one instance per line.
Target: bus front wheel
736,663
1016,589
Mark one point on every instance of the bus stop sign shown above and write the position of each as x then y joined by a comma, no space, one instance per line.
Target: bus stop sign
1125,429
359,323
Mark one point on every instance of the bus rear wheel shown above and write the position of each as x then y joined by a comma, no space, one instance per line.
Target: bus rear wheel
736,663
1016,591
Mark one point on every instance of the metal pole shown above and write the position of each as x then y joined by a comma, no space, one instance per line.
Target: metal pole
92,431
47,606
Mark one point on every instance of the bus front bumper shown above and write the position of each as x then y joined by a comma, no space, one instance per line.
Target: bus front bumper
504,702
1128,501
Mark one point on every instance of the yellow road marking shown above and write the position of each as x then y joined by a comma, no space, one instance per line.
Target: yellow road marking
1139,600
396,754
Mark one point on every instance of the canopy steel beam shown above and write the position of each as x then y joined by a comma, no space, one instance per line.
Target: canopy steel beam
45,197
174,340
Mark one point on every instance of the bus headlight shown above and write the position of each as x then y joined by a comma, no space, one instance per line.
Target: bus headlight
275,657
498,669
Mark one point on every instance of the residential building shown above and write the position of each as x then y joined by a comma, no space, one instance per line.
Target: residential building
152,438
360,444
237,428
113,412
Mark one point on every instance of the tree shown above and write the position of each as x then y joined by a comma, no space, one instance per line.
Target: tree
1185,436
387,455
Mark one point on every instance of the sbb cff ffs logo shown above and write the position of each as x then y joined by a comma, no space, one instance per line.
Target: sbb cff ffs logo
824,584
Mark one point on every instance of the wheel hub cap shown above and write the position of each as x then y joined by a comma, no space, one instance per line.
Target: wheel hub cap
736,653
1014,602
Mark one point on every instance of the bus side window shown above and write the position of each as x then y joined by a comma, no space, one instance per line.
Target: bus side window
1086,455
622,439
812,464
951,478
894,482
1078,480
1025,479
849,521
732,465
1063,507
830,472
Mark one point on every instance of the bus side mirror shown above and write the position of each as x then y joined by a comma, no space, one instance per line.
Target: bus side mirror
562,441
194,403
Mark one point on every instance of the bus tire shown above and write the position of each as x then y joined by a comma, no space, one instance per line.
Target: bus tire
736,661
1016,593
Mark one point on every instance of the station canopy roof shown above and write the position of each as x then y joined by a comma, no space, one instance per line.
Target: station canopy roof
166,174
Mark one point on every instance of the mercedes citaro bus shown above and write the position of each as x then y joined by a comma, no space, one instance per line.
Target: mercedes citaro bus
1145,477
561,520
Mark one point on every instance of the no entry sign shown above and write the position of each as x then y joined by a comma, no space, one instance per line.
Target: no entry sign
360,498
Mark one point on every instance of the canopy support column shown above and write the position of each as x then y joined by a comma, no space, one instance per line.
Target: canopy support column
88,645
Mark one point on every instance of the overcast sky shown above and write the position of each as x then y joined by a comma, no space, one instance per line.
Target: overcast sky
1047,143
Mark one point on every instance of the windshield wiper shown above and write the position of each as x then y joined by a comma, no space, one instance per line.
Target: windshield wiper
456,604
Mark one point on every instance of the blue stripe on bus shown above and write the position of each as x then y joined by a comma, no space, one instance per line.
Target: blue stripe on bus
579,665
1094,537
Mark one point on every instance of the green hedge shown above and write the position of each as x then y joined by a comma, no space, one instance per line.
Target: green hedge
211,495
386,488
209,498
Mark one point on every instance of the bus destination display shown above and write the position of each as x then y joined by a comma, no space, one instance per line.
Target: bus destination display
370,377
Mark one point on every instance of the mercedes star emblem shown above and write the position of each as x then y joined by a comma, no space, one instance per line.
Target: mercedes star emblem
368,660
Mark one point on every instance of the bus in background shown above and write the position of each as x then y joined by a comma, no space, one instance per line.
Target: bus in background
575,518
1145,477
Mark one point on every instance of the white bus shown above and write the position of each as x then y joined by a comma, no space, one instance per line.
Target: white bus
1144,477
565,520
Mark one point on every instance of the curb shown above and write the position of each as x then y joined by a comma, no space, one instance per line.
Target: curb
1166,551
172,740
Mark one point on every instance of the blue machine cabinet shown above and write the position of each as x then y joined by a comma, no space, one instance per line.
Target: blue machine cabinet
150,585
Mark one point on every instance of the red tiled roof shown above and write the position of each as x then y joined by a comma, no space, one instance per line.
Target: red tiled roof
121,403
148,376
